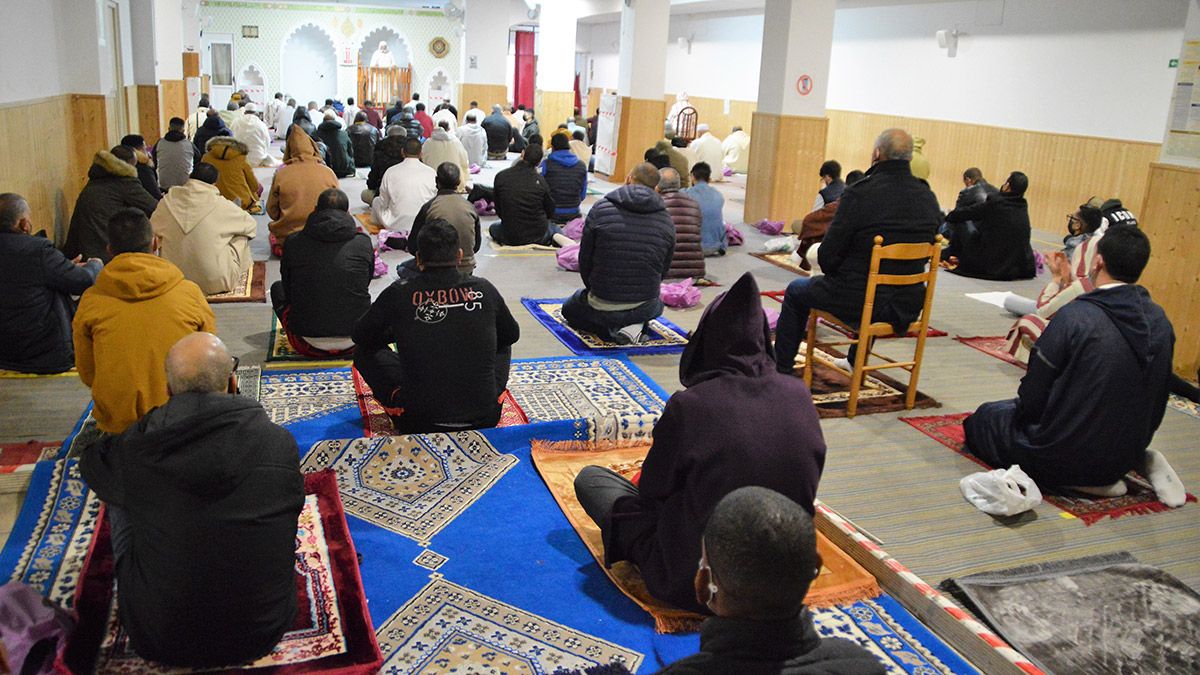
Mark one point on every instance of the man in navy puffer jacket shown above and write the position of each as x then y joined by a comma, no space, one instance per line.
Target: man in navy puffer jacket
628,241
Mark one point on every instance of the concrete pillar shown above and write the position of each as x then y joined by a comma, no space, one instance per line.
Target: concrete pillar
556,63
485,43
788,143
642,77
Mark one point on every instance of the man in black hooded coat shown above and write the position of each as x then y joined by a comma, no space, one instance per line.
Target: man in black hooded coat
726,430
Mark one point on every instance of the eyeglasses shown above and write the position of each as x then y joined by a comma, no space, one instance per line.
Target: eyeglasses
236,361
1072,218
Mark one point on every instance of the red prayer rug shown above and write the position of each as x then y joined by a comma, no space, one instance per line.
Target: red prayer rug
994,345
377,420
777,296
1140,500
332,631
17,461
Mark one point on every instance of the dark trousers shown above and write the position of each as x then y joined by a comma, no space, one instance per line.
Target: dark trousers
801,297
598,490
279,300
383,372
496,230
582,316
962,239
120,531
989,430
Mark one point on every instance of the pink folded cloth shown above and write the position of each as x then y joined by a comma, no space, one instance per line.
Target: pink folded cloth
769,227
772,317
380,267
484,208
574,229
474,168
392,241
733,235
679,294
728,172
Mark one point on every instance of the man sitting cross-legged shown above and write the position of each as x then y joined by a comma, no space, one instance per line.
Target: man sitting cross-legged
758,558
449,205
453,336
888,201
202,494
726,430
626,250
405,188
524,204
1096,387
325,277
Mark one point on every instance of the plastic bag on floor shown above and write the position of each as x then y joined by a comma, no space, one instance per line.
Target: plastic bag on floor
772,317
380,267
680,294
779,245
31,628
733,235
574,229
568,258
484,208
1001,492
392,241
769,227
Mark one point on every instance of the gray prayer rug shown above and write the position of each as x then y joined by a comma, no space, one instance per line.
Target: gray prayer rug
1098,614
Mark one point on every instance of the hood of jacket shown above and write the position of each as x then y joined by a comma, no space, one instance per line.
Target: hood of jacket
178,437
226,147
137,276
636,198
191,203
214,123
143,158
174,136
733,337
440,134
472,128
566,158
105,165
331,225
301,148
1130,308
329,127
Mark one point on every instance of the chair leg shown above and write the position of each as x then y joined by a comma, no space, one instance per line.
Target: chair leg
856,374
910,398
809,345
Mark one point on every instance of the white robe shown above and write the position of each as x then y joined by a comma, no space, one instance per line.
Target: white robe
403,191
254,134
737,151
284,121
479,115
445,114
676,107
474,140
383,60
348,114
708,150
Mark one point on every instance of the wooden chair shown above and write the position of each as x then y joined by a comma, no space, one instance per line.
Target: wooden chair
685,123
864,334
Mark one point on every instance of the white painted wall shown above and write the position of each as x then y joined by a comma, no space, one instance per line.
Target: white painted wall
309,66
168,39
724,59
52,48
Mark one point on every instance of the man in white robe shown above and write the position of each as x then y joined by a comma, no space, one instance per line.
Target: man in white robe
708,150
274,111
383,58
284,121
737,150
252,131
681,102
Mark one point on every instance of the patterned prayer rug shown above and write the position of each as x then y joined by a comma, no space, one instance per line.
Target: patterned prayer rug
50,538
841,579
251,287
331,631
280,349
250,381
447,628
368,224
784,260
664,337
411,485
303,395
996,346
377,421
613,397
1140,500
1098,614
777,296
831,389
18,460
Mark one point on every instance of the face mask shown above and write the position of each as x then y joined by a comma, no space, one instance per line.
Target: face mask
712,588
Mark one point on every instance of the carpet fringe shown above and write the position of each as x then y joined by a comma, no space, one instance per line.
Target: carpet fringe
689,623
1143,509
861,591
585,446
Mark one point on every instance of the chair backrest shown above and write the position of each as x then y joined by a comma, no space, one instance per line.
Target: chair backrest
931,252
685,123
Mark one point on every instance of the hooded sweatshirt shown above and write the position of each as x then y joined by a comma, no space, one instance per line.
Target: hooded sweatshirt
326,271
627,245
567,177
726,430
211,490
138,309
112,185
443,146
340,150
210,129
1094,394
236,180
296,186
205,235
176,156
474,140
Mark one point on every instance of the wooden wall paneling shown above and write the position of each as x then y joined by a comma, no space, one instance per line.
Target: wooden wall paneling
639,128
786,153
486,94
172,102
132,111
149,124
1170,216
711,111
552,109
593,102
191,64
87,128
36,165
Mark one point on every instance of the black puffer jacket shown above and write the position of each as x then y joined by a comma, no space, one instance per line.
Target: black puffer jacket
628,241
112,185
363,138
326,271
213,126
688,260
339,152
35,310
499,132
388,153
523,203
567,178
411,125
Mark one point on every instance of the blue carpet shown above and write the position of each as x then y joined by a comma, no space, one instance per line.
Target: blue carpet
664,337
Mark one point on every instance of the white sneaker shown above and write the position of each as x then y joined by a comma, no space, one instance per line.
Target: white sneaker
844,364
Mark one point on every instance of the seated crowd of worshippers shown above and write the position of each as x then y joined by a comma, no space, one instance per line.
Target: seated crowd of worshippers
730,479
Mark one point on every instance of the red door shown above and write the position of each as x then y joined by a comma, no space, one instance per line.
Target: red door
526,67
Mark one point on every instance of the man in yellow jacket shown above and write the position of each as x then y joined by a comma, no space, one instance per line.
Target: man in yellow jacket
127,322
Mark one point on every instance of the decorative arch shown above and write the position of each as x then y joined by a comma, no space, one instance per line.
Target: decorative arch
399,46
254,83
308,63
438,88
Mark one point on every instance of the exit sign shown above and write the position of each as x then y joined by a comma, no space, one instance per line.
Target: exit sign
1173,63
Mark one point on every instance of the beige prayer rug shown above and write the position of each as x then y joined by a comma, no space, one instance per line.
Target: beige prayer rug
500,248
784,260
305,395
412,485
367,222
663,336
841,579
831,389
251,287
447,628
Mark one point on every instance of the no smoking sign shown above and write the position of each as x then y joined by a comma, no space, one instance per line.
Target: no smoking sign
804,85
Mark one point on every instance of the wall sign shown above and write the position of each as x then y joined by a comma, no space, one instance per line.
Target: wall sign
804,85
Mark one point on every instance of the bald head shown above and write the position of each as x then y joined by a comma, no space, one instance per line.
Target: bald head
198,363
668,180
893,144
644,174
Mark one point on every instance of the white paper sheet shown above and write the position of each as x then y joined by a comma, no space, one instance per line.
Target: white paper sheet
996,298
